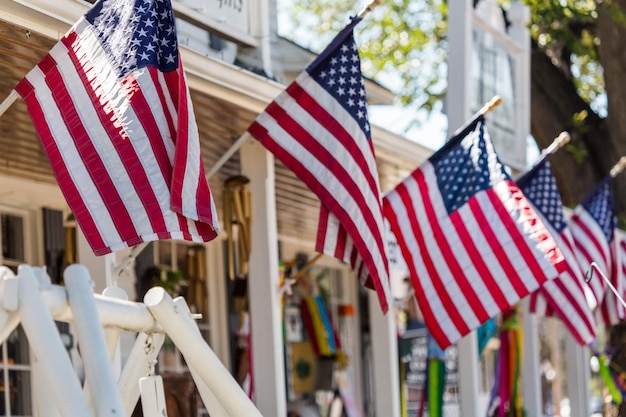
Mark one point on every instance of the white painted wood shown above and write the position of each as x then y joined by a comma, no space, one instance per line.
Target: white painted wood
458,111
184,333
459,63
46,344
99,373
578,377
385,378
212,404
266,325
142,355
531,378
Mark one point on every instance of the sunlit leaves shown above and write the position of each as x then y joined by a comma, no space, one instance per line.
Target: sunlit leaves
395,41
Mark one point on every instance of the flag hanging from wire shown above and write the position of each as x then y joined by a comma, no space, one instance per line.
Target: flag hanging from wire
594,229
472,243
318,127
564,295
112,108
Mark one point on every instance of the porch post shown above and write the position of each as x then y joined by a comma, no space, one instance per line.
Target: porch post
458,110
265,317
386,379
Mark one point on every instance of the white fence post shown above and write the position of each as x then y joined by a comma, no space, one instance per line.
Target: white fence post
183,332
98,369
46,344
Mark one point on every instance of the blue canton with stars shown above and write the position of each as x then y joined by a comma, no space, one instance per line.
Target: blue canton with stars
541,190
464,166
601,206
136,37
340,75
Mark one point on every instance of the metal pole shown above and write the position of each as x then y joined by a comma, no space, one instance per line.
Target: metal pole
98,370
46,344
183,332
226,156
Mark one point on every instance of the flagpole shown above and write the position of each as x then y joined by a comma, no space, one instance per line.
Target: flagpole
369,8
226,156
546,153
8,101
558,142
593,265
619,167
486,108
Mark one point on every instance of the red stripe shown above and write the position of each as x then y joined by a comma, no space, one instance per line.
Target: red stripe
449,254
88,153
120,141
301,135
66,183
322,229
470,246
330,122
342,239
520,240
400,230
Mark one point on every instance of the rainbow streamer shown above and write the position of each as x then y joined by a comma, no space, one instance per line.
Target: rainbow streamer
506,399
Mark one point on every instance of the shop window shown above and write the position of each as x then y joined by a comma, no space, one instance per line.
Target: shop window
15,385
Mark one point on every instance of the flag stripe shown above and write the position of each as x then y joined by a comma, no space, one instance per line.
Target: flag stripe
69,189
129,162
440,324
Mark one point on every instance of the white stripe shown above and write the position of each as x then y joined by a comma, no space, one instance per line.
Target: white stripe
434,254
444,321
337,189
99,138
537,248
74,163
311,86
133,127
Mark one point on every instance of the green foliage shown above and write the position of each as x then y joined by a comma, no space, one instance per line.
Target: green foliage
171,281
401,42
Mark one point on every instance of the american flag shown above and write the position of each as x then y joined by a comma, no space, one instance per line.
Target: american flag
112,108
565,294
318,127
473,244
594,227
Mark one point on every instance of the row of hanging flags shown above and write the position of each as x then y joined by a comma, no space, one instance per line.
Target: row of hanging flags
111,104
